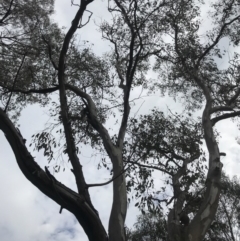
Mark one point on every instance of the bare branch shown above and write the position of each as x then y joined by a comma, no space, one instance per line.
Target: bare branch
108,182
89,17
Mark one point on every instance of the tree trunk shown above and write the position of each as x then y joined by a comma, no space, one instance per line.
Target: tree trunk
119,206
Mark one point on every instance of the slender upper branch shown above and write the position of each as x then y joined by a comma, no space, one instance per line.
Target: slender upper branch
108,182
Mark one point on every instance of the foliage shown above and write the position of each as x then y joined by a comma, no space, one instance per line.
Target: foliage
24,58
225,226
163,144
149,226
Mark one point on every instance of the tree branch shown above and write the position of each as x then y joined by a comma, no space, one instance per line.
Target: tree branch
220,108
97,125
65,197
150,166
224,116
37,91
111,180
70,141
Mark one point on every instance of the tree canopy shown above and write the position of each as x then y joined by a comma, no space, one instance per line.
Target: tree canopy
156,46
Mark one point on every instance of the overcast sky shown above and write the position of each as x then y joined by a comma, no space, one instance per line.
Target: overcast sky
27,214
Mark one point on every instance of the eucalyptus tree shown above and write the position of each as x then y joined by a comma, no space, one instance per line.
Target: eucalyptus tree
193,72
188,68
38,60
225,226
